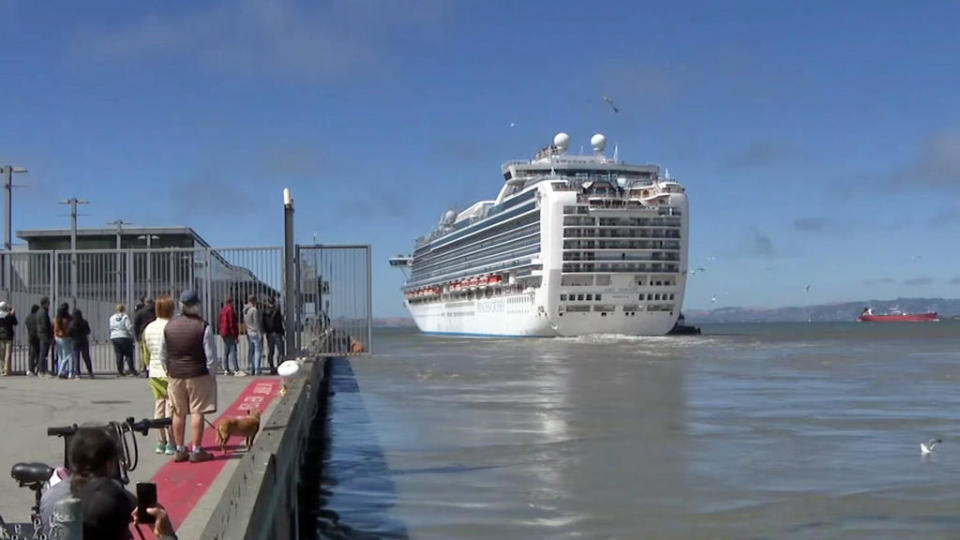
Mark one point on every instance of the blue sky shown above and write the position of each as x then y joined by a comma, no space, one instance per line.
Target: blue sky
819,141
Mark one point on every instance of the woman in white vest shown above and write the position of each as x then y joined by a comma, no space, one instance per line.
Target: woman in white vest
154,342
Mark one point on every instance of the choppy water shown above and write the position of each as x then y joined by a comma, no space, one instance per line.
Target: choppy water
758,431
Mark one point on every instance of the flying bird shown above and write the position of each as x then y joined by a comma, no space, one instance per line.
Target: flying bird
609,101
927,448
512,124
807,288
697,270
713,299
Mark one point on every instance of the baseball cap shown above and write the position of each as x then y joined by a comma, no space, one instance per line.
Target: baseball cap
189,297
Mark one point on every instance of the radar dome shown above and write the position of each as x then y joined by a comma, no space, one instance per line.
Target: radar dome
598,142
449,216
561,140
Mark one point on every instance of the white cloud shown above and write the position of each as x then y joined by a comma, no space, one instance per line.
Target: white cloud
281,38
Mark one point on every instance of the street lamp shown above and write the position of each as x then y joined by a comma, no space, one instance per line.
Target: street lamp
73,202
8,172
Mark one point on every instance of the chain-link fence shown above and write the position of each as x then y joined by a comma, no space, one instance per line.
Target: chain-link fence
333,319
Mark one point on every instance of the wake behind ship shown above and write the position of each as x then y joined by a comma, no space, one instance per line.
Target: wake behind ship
572,245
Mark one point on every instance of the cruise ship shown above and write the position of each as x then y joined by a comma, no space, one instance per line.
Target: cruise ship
572,245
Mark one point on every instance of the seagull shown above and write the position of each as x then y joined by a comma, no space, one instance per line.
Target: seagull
513,124
609,101
927,448
713,299
697,270
807,288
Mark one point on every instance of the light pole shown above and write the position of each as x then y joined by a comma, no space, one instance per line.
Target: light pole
8,172
119,223
73,202
148,238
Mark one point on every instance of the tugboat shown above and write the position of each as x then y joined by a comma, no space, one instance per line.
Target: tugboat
681,329
895,315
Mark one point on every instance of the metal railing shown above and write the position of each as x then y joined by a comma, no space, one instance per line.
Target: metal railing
96,281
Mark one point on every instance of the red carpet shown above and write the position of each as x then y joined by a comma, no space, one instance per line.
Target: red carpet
181,485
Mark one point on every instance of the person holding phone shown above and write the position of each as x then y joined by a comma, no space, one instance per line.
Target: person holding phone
107,507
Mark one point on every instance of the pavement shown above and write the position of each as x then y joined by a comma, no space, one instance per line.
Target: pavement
30,405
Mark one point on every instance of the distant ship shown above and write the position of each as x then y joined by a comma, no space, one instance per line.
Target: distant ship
895,315
571,245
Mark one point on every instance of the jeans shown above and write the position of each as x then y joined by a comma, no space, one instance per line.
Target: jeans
81,348
34,364
64,356
123,348
274,342
43,360
255,353
230,352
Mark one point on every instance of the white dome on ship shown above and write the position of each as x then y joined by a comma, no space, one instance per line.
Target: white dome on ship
449,216
598,142
561,140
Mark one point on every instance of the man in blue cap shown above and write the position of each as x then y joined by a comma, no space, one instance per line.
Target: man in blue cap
191,362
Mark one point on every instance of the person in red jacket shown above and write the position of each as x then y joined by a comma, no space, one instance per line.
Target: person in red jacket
229,331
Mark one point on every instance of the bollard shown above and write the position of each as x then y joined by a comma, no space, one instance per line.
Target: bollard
67,522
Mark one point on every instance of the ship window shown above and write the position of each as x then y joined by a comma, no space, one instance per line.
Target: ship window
580,297
589,297
563,298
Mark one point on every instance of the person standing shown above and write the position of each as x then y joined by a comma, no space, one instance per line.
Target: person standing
79,332
61,326
7,322
252,322
229,331
191,361
157,347
141,318
121,336
45,338
273,329
33,341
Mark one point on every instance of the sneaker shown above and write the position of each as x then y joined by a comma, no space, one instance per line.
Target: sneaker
200,456
180,456
30,373
161,448
240,374
171,449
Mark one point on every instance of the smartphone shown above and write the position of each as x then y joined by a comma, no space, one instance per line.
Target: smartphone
146,498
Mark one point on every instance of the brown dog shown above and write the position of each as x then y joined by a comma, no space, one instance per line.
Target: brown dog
246,426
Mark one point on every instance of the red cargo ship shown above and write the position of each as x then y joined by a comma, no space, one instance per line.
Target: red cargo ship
897,316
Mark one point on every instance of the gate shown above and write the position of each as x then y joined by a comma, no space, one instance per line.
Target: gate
335,300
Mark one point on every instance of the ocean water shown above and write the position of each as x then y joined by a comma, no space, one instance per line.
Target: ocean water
748,431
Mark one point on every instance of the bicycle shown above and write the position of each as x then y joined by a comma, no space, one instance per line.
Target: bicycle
37,477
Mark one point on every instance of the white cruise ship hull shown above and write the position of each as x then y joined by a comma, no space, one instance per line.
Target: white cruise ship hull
516,316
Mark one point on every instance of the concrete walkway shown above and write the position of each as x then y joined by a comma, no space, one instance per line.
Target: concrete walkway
30,405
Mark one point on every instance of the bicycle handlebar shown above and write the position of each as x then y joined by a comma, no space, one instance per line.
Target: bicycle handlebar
142,426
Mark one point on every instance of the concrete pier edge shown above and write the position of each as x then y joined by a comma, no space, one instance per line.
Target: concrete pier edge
261,500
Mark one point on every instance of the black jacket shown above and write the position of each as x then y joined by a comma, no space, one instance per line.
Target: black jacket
31,324
44,326
79,331
6,326
272,320
142,318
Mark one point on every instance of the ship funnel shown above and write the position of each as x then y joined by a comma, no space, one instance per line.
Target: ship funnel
598,142
561,141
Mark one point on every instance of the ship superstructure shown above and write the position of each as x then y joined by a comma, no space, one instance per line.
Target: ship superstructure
572,245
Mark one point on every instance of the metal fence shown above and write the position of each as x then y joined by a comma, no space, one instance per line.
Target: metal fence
330,321
335,298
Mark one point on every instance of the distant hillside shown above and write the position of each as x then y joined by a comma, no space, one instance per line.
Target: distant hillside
846,311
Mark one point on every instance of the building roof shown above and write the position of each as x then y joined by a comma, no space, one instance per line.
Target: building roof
34,234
